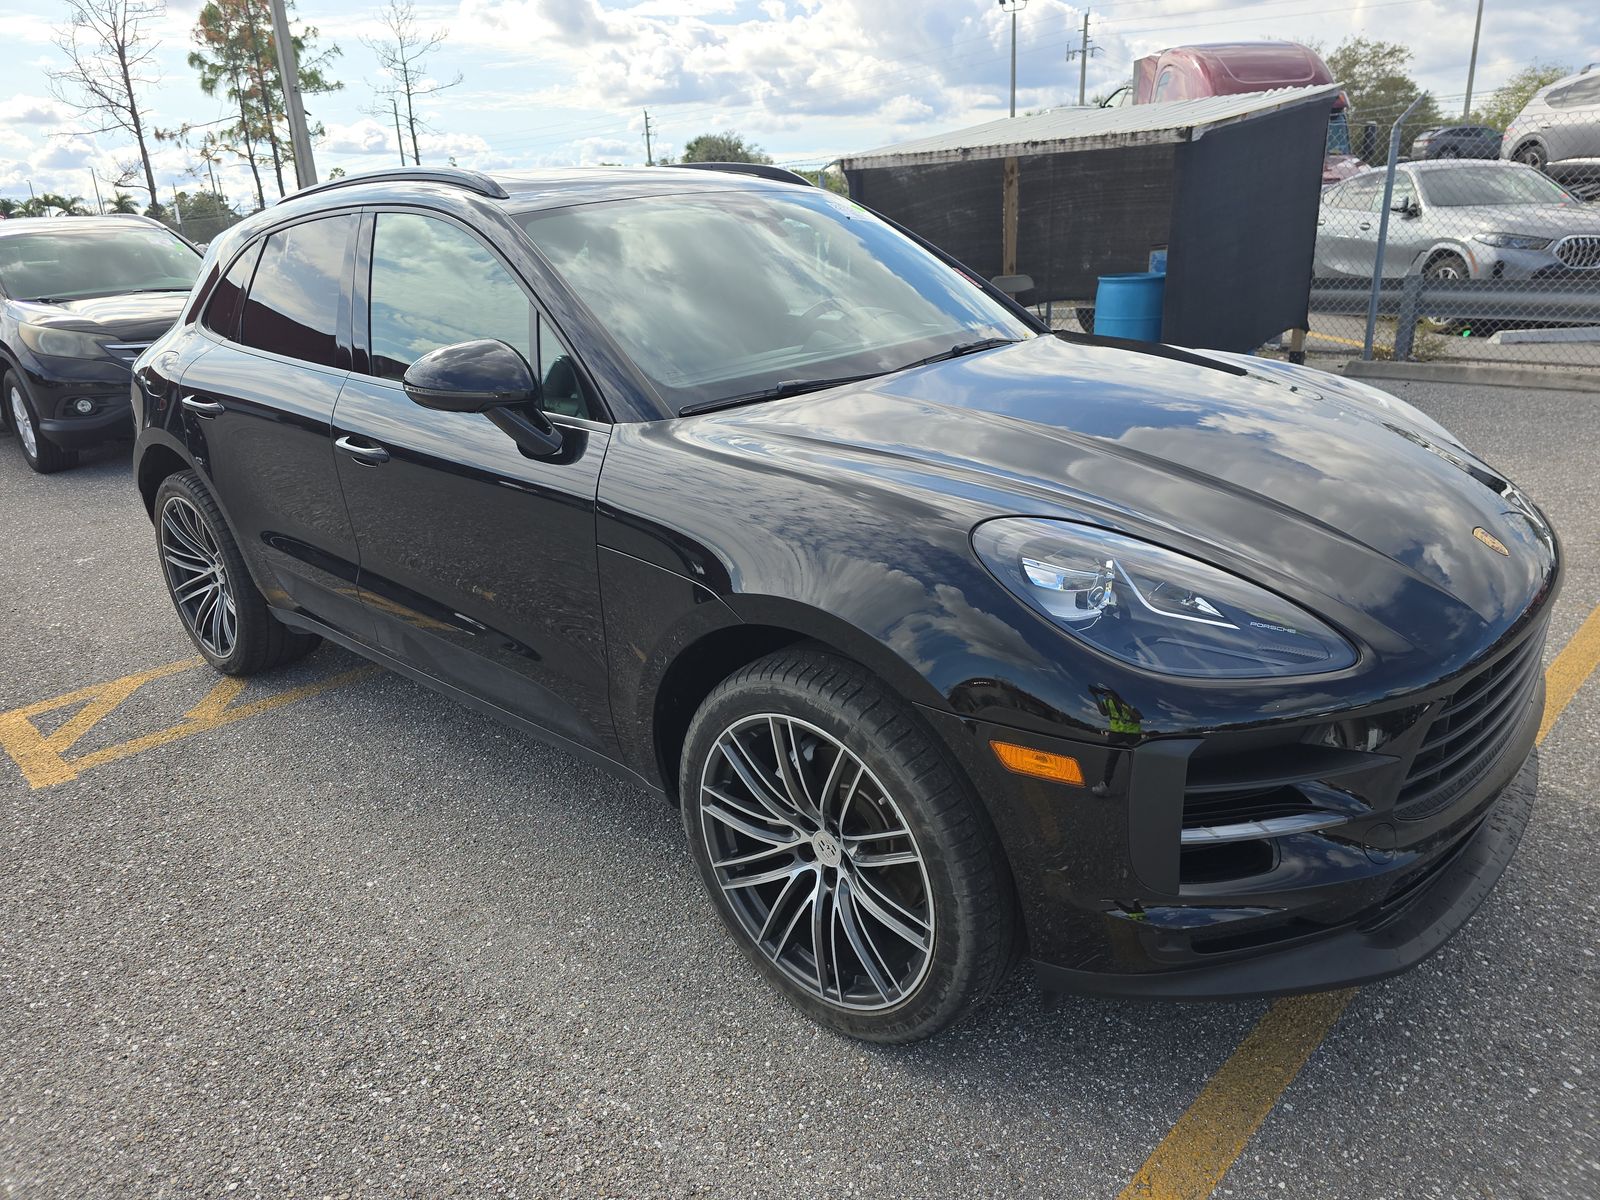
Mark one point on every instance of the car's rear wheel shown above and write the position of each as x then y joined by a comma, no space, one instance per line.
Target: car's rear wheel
848,858
222,610
43,455
1532,154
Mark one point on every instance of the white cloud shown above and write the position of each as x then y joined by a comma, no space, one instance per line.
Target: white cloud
23,109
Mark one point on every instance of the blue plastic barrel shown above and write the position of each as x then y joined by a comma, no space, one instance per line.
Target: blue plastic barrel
1129,306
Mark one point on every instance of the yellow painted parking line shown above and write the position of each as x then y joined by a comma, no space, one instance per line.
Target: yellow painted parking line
1201,1148
43,758
1329,337
1570,670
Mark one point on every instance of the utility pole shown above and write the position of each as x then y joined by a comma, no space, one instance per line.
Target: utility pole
211,169
305,169
1083,55
1472,63
99,204
649,157
1013,7
398,140
177,209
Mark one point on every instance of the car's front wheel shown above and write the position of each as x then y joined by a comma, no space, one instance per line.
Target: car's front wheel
43,455
221,608
846,855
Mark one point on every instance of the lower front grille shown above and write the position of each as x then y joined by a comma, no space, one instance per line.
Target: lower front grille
1469,732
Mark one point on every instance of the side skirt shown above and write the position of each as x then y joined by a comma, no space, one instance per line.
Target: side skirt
467,699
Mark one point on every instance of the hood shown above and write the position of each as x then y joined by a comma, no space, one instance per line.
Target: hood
1321,488
1540,220
135,317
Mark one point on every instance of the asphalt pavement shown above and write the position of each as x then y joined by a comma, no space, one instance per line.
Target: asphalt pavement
330,935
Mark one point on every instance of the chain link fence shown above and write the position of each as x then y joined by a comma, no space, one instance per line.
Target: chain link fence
1468,243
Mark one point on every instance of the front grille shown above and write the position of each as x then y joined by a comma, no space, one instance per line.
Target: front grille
126,351
1579,250
1469,732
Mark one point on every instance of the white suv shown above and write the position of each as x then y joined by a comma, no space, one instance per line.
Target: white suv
1559,129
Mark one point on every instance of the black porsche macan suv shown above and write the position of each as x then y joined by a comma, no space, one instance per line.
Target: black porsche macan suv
80,298
1182,675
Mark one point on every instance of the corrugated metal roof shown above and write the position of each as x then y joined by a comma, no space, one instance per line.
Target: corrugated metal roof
1067,130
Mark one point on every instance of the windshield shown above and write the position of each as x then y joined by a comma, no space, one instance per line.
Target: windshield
64,263
1338,134
1461,187
723,294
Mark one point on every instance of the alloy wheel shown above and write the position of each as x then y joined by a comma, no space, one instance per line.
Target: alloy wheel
198,576
22,419
817,862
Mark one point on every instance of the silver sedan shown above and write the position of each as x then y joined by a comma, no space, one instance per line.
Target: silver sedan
1459,220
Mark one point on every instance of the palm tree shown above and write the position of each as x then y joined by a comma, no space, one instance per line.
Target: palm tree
31,207
123,203
64,206
9,208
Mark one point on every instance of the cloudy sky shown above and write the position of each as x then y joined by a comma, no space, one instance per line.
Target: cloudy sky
565,81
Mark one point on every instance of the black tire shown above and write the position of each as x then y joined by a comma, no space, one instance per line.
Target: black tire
1532,154
960,880
259,640
43,455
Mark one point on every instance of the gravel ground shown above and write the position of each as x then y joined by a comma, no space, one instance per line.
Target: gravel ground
369,943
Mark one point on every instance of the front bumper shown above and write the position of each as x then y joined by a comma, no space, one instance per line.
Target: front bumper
55,392
1122,895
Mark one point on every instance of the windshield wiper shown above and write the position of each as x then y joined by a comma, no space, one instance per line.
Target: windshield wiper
960,350
141,291
788,387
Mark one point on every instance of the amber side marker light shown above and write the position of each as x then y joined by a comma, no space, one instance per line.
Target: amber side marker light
1024,760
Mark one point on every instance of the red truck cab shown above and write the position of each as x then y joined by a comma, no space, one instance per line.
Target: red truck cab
1230,68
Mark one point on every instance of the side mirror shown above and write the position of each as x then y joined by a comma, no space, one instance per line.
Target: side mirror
489,377
471,377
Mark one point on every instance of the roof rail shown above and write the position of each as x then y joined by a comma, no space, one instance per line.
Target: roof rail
473,181
764,170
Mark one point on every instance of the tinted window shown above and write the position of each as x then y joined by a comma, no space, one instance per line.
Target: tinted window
719,294
96,260
222,311
1357,194
1575,95
434,284
293,306
1491,184
564,391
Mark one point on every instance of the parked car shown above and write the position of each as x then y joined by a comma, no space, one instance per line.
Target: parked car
80,298
1234,68
1558,130
1457,141
1459,220
1181,674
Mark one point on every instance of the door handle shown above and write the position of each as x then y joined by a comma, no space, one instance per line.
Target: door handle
365,454
206,408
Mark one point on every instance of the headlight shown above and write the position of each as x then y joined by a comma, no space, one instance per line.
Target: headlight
1512,241
60,343
1153,607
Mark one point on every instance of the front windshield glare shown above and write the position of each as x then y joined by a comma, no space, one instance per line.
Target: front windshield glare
1463,187
724,294
68,263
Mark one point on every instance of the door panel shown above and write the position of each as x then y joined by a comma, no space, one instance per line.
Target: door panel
478,562
260,422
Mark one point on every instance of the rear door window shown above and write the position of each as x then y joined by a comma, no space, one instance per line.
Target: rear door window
293,305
